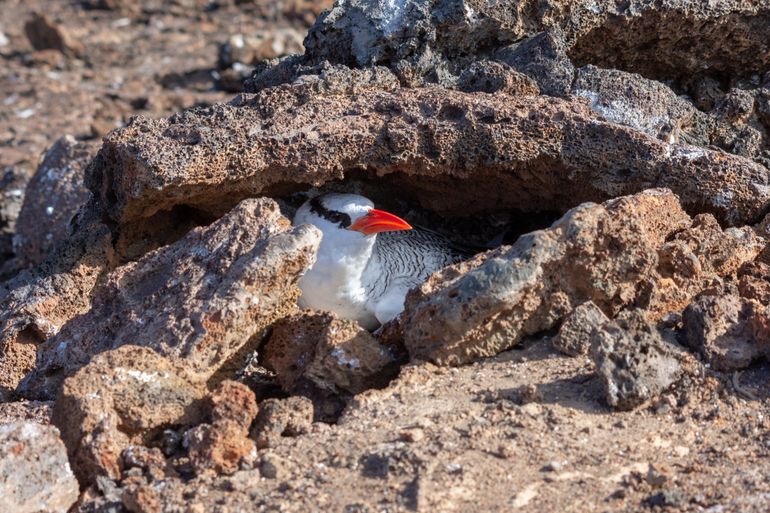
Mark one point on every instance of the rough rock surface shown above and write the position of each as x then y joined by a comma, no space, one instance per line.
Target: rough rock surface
39,302
721,329
497,147
53,197
332,354
35,476
292,416
125,396
430,42
634,361
224,442
12,184
640,249
574,336
202,299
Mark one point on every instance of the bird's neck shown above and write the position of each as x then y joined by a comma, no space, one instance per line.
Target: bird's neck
345,258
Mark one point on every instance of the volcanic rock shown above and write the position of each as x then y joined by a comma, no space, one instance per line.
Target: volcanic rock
204,299
39,302
634,361
53,197
491,77
35,476
335,355
12,185
292,416
123,397
221,444
543,58
721,330
574,337
429,42
635,250
441,147
44,34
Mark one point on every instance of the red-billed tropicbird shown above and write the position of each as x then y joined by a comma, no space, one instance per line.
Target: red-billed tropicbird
368,259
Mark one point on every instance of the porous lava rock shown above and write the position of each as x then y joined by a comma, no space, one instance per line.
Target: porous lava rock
427,42
335,355
40,301
574,336
291,416
123,397
53,196
442,147
635,250
222,443
35,476
634,361
722,330
204,299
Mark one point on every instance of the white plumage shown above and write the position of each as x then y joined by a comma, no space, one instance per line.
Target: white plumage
368,259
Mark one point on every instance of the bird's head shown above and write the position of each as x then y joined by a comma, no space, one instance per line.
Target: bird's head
348,212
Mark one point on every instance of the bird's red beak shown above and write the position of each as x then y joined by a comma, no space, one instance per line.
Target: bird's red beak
377,221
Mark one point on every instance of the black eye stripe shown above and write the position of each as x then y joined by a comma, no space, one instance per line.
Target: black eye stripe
335,217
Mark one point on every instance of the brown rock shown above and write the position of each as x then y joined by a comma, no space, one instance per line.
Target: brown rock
640,250
203,299
44,299
44,34
125,396
53,197
445,148
574,337
492,77
754,282
595,252
333,354
292,416
35,476
224,443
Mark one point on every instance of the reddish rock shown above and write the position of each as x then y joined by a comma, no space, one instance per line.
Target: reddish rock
222,444
640,250
124,397
41,301
35,476
203,299
332,354
445,148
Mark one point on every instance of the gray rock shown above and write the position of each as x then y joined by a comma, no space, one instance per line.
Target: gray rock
633,360
720,329
54,195
35,476
574,337
543,58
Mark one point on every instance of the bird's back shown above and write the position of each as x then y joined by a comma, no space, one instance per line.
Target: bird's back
405,259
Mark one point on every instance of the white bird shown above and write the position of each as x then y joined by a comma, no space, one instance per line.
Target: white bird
368,259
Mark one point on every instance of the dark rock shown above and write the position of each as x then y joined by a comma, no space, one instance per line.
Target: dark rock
543,58
719,328
574,337
633,360
54,195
